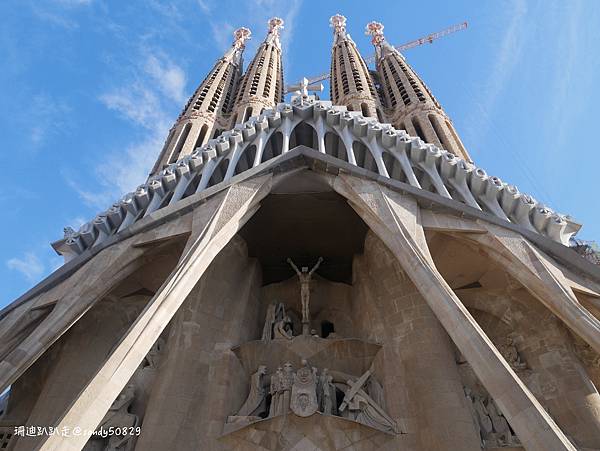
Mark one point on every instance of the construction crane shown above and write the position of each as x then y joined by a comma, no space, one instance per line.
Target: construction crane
409,45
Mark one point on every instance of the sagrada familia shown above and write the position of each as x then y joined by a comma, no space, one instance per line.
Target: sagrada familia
310,275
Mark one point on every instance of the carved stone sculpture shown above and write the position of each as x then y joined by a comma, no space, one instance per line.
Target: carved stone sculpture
304,391
153,357
491,424
305,275
283,329
275,313
275,389
511,355
503,435
255,404
326,394
285,388
359,406
118,417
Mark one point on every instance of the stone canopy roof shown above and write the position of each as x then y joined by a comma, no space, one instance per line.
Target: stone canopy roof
345,135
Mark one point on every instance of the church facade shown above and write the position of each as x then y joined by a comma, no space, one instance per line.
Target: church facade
311,275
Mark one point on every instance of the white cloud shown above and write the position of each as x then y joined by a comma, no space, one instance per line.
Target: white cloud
135,102
170,77
222,33
46,118
29,266
506,60
157,87
204,6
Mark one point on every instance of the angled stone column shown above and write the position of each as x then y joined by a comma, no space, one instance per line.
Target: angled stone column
395,219
541,277
75,297
86,412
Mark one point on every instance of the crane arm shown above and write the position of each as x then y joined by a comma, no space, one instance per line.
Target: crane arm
409,45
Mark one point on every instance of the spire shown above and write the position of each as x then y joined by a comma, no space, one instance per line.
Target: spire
262,84
409,103
275,24
207,112
351,82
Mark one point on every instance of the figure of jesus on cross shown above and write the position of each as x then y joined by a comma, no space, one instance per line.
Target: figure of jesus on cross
305,275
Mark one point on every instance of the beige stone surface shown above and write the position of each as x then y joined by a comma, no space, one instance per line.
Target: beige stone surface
87,411
197,387
389,216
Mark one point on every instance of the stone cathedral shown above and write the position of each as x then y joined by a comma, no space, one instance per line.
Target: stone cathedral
310,275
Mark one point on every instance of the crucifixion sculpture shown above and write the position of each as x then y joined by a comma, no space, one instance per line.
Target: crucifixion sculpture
305,275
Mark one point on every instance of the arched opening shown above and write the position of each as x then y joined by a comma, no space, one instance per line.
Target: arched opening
247,113
393,167
327,328
424,180
335,147
246,160
182,138
219,173
217,133
304,135
380,116
272,147
201,136
364,108
418,128
363,157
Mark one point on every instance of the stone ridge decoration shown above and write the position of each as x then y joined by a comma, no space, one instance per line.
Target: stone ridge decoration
451,177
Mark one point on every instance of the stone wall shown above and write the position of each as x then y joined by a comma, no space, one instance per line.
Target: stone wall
200,381
422,385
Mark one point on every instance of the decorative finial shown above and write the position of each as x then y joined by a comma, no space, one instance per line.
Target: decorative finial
375,29
240,36
338,23
275,23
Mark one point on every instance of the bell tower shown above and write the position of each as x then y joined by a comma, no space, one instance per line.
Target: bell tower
351,82
209,108
409,103
262,84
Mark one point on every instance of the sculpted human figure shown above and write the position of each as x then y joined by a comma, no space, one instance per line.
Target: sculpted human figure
255,404
119,417
503,433
511,355
359,406
305,275
326,392
285,387
153,356
275,390
275,313
283,328
482,417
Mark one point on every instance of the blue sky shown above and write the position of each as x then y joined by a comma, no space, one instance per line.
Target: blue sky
89,88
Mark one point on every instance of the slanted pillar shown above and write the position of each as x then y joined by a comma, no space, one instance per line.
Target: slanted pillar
75,297
395,219
195,390
210,234
418,356
541,277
